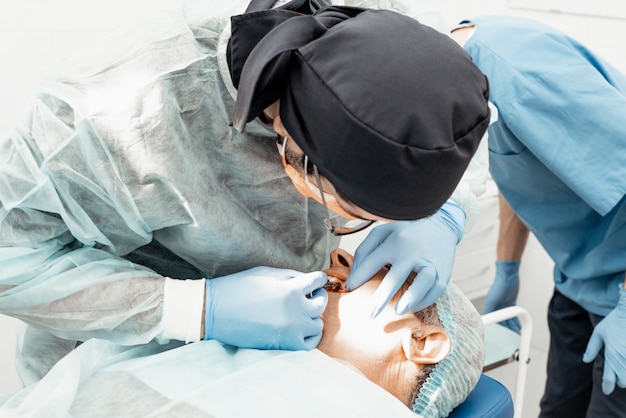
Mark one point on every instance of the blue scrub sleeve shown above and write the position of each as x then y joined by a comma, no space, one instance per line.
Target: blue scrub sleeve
564,104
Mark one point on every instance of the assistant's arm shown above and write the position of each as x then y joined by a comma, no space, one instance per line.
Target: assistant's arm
560,119
512,239
512,235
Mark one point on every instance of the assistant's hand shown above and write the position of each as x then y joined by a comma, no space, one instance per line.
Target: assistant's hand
266,308
503,291
610,333
426,246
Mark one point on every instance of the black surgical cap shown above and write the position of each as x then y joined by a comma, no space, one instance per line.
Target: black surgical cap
391,111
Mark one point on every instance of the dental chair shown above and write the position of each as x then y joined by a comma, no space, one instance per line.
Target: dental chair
490,398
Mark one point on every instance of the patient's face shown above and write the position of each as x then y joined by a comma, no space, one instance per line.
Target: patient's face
385,348
373,346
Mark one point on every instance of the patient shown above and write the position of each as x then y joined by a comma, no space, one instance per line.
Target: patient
429,361
437,351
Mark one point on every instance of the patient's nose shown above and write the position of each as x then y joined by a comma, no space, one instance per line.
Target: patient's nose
340,265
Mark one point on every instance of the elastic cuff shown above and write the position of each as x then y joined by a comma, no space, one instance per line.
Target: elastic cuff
183,302
622,295
508,267
454,216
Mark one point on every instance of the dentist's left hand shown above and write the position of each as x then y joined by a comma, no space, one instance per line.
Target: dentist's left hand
611,334
426,246
266,308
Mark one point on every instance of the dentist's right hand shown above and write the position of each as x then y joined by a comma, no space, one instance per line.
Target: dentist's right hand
266,308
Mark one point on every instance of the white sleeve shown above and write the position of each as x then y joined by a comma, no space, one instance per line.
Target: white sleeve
183,304
474,180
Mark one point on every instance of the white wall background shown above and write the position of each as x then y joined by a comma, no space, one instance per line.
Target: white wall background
37,33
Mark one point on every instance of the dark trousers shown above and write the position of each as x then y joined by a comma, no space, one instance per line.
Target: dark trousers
573,388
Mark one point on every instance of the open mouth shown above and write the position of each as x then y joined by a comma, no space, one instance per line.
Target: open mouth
340,265
332,286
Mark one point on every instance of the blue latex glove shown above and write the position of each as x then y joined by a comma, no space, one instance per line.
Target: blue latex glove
611,332
503,291
266,308
427,246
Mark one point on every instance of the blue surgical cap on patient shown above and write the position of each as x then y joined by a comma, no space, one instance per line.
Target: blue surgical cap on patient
389,110
455,376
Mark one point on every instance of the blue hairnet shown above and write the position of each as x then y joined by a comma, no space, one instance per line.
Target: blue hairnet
454,377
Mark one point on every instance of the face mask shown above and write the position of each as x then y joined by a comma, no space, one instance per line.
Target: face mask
306,189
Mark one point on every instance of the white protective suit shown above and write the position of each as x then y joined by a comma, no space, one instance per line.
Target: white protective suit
126,172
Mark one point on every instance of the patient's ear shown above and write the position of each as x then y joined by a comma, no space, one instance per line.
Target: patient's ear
429,347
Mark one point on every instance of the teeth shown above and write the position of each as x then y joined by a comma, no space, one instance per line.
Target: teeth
333,286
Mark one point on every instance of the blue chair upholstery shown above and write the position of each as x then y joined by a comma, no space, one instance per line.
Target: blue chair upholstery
489,399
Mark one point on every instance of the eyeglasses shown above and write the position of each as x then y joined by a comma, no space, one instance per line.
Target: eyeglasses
337,224
341,224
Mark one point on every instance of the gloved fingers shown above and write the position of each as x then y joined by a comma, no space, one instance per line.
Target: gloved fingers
608,379
422,292
621,378
368,267
310,331
372,241
620,367
513,324
593,346
316,304
503,293
505,287
313,340
491,306
309,282
501,296
362,273
429,298
393,280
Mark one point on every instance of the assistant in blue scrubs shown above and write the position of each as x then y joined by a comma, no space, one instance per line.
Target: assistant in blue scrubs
558,156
